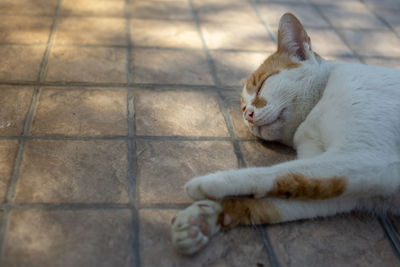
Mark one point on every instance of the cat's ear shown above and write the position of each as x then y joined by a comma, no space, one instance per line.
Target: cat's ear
292,38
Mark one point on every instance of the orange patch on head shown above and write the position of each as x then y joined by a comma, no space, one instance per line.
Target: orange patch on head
271,66
242,104
259,102
299,186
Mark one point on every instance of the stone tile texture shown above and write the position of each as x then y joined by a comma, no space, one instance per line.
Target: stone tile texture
81,113
90,30
8,151
20,62
177,162
108,107
67,237
53,171
15,103
332,242
171,67
25,29
87,64
164,113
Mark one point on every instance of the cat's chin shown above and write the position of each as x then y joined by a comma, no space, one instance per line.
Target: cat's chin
269,132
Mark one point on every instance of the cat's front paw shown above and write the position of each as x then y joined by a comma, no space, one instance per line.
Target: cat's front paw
212,186
193,227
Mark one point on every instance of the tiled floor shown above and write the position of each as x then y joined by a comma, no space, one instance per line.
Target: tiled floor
107,107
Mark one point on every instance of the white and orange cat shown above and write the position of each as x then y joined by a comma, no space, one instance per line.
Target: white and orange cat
344,122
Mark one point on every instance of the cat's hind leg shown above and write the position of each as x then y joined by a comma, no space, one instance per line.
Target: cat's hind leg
194,226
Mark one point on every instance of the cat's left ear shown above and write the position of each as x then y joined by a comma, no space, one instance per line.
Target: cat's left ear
292,38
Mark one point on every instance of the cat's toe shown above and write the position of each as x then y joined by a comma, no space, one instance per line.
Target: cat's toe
193,227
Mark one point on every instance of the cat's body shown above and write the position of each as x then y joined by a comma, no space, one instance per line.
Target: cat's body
344,122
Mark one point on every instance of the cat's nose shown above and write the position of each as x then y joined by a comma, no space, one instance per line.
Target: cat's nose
249,114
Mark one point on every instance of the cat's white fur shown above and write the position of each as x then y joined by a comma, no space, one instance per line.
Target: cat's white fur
344,121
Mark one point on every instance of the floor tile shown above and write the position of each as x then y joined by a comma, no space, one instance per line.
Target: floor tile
89,30
223,250
261,153
237,11
14,103
237,35
165,33
339,241
94,7
33,7
162,113
172,9
390,4
307,14
68,238
328,1
164,167
395,220
232,100
25,29
59,171
8,151
20,63
391,16
81,113
232,67
351,14
170,67
385,62
385,43
326,42
87,64
352,59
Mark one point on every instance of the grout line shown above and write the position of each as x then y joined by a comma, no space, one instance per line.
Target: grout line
266,25
132,164
104,86
391,233
231,130
129,67
132,182
3,230
131,114
21,147
381,19
31,112
90,206
65,206
10,190
11,186
270,250
356,54
43,64
210,61
134,238
220,98
137,138
266,240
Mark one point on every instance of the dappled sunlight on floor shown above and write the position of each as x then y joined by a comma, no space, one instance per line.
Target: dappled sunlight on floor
107,108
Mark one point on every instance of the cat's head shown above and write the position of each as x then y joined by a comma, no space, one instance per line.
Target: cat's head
277,97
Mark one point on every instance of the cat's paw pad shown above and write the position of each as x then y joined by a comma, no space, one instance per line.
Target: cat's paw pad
193,227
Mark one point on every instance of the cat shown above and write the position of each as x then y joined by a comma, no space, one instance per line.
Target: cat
343,119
